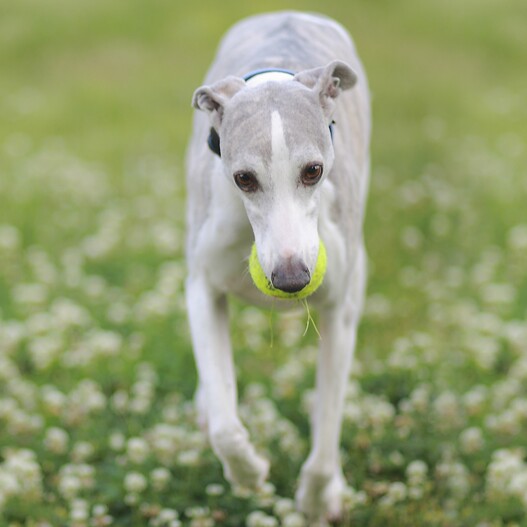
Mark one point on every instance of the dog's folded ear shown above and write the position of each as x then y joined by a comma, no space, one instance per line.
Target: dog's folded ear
212,99
328,81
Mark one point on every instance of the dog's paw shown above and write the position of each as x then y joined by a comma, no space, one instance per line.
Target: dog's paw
333,497
248,471
320,496
242,465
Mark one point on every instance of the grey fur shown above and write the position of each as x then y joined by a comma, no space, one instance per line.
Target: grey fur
275,130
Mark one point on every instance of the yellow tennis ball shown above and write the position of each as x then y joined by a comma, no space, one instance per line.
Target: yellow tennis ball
265,286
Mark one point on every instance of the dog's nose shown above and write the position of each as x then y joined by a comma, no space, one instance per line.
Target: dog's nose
290,275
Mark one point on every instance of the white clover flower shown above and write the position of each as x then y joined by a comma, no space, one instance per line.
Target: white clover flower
506,422
167,517
117,441
484,350
417,471
87,398
397,491
8,407
69,486
352,498
119,401
73,478
160,477
518,483
260,519
135,483
474,400
498,294
189,458
118,312
105,343
266,494
507,474
9,484
131,499
411,237
517,238
283,506
166,239
79,511
12,333
30,295
293,519
378,306
197,512
56,440
516,334
23,465
40,323
86,474
152,305
505,391
82,451
10,239
44,350
140,405
471,440
137,450
519,408
447,409
214,489
21,422
396,458
456,476
99,510
200,517
54,400
378,411
68,314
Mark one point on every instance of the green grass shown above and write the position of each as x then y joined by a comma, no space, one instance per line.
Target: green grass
94,118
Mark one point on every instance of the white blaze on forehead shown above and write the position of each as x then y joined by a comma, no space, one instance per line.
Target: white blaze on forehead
279,150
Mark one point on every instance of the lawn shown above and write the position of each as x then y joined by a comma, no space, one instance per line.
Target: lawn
97,425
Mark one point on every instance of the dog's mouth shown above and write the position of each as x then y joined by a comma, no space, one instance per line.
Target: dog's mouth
293,285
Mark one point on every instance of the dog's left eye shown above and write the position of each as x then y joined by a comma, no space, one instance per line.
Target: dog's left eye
246,181
311,174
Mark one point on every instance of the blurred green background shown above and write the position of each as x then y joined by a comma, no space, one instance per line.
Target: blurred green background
94,120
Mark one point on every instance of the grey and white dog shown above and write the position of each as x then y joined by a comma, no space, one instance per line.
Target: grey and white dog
279,156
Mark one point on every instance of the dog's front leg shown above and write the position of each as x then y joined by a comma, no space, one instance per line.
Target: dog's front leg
209,326
322,482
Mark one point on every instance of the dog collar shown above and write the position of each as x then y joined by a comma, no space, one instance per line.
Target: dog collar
252,79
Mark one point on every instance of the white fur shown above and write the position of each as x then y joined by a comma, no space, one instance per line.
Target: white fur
285,219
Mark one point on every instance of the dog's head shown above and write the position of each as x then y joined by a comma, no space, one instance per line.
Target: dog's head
276,148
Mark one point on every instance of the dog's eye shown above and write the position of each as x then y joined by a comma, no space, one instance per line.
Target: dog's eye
246,181
311,174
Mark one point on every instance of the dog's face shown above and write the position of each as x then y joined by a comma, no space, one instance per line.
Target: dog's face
276,148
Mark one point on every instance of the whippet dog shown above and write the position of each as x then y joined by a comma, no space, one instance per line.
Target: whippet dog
279,157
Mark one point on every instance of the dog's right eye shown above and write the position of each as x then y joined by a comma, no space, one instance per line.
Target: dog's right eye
246,181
